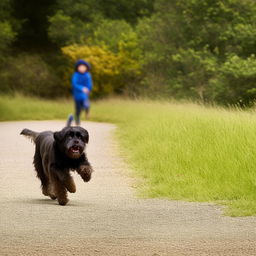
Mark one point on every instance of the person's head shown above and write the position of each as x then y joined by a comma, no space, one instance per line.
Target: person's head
82,66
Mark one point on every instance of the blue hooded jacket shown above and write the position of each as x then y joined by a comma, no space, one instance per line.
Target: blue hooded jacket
80,81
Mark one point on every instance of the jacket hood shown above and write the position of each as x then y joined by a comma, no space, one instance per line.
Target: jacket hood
82,62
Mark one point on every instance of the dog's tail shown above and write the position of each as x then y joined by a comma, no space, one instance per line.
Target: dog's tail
30,134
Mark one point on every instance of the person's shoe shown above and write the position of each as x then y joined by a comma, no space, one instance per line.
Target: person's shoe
70,119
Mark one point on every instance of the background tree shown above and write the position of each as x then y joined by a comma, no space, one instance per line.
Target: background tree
197,49
8,26
188,43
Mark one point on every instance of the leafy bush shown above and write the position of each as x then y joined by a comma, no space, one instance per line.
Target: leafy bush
119,37
105,66
8,28
236,81
193,70
109,70
29,74
61,28
65,30
110,32
7,35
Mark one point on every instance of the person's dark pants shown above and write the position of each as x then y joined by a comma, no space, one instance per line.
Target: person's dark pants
80,105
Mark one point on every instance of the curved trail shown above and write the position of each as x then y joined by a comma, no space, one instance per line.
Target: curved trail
104,217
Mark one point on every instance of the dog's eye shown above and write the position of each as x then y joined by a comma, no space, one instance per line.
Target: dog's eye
71,134
78,135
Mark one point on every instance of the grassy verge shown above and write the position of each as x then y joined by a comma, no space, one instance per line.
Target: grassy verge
189,152
182,151
19,107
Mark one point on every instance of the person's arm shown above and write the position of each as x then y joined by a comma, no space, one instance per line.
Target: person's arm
89,83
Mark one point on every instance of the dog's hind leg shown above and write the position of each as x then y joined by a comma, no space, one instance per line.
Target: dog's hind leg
45,183
40,172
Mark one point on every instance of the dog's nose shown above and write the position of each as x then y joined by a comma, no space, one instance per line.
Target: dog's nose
76,141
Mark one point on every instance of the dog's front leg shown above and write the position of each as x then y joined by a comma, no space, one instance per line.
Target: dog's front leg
59,179
60,191
85,171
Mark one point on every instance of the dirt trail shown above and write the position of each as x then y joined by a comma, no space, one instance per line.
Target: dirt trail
104,217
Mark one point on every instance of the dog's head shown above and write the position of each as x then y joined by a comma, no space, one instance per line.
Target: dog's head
71,141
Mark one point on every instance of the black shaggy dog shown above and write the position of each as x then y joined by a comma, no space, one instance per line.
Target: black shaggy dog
56,154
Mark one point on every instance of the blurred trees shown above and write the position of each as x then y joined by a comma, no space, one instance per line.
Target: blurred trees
81,17
198,49
8,26
32,17
201,49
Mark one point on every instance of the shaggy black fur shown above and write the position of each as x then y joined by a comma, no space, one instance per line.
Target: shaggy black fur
56,154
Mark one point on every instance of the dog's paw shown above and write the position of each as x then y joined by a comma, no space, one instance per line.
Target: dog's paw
53,197
62,201
46,192
86,176
86,172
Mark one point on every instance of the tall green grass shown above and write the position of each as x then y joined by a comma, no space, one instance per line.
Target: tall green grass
18,107
189,152
184,151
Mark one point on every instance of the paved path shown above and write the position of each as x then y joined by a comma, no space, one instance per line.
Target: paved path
104,217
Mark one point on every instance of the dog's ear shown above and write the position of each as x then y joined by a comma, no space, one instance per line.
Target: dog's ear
58,136
86,137
84,134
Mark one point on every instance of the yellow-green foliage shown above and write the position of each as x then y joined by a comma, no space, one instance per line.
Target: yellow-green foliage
105,65
110,71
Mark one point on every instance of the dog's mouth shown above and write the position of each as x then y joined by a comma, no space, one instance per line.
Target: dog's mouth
75,150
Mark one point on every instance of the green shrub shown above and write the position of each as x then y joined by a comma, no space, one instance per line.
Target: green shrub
7,35
193,70
30,75
111,72
110,32
61,29
236,81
